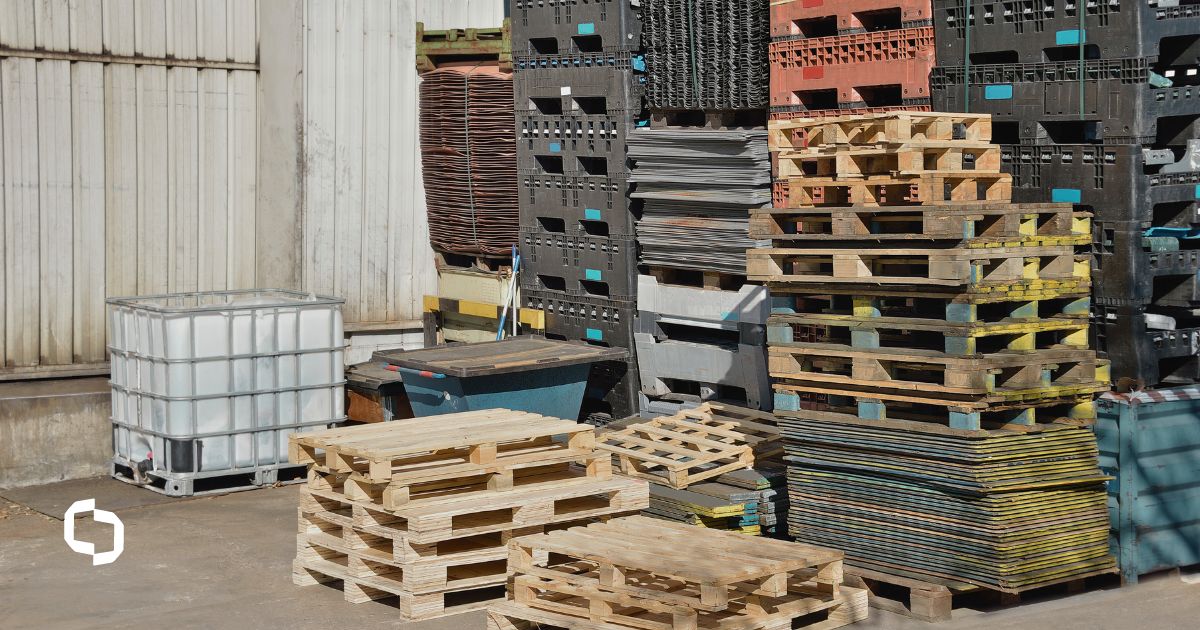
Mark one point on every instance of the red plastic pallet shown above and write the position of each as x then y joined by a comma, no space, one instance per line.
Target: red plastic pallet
809,18
852,71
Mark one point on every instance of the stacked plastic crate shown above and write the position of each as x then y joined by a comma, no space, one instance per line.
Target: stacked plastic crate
700,165
578,88
1096,105
849,56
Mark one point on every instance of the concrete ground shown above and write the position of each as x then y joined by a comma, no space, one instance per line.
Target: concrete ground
225,562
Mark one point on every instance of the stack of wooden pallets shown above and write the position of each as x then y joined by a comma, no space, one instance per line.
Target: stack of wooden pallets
423,509
701,465
912,295
637,572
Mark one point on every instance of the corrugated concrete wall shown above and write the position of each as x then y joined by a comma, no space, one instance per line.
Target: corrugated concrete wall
365,231
129,135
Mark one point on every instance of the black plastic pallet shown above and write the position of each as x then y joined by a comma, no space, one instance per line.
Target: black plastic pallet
1117,182
608,83
555,27
601,322
1146,356
579,206
1115,101
576,134
580,266
613,392
1132,270
1027,28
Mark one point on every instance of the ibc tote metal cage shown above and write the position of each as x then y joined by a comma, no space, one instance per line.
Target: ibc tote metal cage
207,386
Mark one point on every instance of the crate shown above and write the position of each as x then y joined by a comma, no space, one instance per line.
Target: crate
606,83
594,320
575,134
581,266
213,383
884,69
554,27
613,392
1026,28
1145,355
803,19
1117,182
1149,441
1131,269
694,367
578,206
1122,102
749,304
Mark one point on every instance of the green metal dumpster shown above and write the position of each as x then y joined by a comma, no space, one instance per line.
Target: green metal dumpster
1150,443
526,373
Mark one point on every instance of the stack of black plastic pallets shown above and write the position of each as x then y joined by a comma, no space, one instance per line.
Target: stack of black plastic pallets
578,82
1098,108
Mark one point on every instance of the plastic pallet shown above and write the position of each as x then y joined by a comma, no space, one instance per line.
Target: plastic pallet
1108,179
612,392
573,135
1120,104
1025,28
823,18
598,321
583,266
1145,355
581,206
578,84
668,366
751,304
1128,271
553,27
870,70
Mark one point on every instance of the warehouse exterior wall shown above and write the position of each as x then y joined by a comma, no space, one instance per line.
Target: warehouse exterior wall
365,230
129,165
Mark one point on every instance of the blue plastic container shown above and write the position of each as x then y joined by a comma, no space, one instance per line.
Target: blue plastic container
528,373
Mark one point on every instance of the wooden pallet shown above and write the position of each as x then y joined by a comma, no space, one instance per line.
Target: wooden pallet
1074,406
927,189
679,450
395,463
463,516
974,295
859,162
916,266
977,223
936,373
714,280
884,128
411,606
436,47
639,572
758,429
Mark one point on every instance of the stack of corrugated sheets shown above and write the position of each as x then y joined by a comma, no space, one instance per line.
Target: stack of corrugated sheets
468,158
1003,509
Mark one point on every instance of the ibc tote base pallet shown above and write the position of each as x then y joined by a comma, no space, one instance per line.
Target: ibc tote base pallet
206,483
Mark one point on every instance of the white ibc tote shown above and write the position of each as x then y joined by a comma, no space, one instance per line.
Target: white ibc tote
212,383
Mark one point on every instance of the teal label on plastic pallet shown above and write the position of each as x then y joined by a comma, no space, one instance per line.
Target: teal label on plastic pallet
997,92
595,335
592,274
587,28
555,147
1197,193
1066,195
592,214
1071,37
